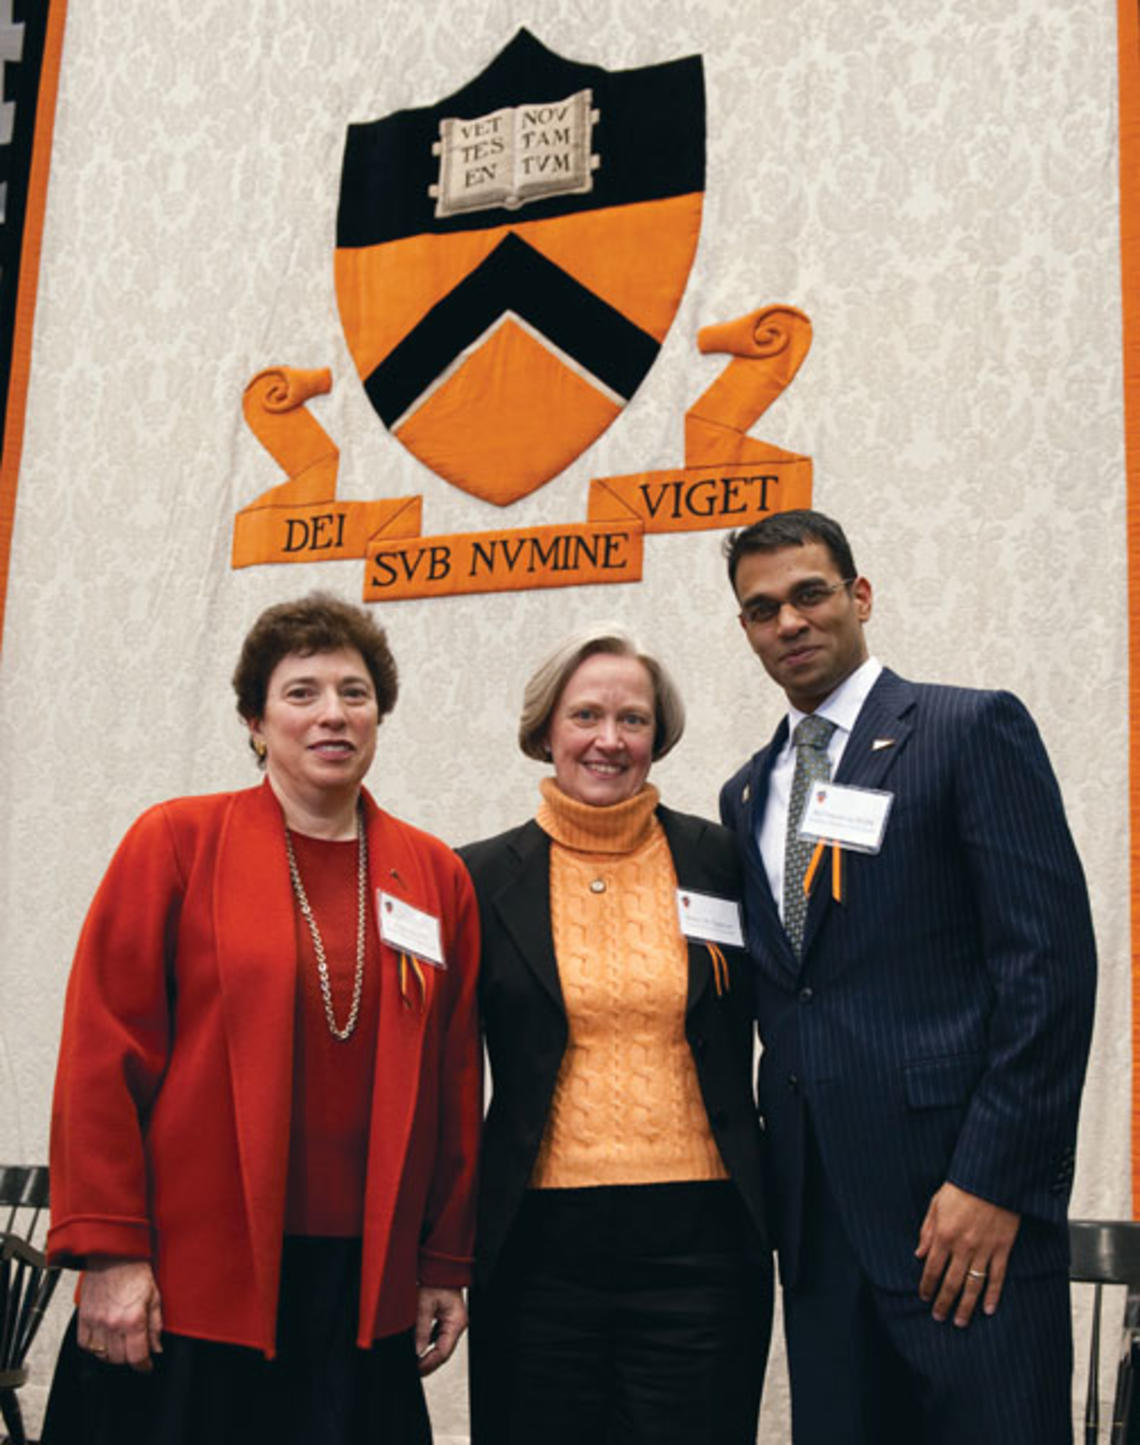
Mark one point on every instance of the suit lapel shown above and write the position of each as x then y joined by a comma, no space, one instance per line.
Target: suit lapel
684,849
877,740
257,968
768,936
880,734
754,795
395,866
523,908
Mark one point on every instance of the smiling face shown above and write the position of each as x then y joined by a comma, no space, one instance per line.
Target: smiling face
808,650
319,726
601,730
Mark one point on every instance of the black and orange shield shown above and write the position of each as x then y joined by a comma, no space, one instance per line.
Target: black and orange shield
510,260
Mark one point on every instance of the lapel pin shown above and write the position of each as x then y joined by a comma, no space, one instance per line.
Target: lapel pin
747,790
881,743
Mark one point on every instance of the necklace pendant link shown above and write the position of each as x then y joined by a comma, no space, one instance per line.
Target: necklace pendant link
345,1033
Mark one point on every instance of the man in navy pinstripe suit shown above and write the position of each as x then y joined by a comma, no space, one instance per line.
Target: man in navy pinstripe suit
925,1039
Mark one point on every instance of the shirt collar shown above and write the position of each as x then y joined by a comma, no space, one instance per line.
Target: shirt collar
842,706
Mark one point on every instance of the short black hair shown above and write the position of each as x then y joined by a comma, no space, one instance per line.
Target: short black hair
789,529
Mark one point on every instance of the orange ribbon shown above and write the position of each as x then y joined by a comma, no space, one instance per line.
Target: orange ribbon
409,961
836,869
720,969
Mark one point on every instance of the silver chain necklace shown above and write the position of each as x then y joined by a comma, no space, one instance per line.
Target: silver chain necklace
343,1034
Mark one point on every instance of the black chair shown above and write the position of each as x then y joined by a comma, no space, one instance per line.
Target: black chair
1108,1252
26,1282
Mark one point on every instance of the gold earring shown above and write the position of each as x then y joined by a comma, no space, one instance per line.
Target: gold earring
260,749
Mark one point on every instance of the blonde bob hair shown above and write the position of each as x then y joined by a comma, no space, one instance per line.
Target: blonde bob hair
549,679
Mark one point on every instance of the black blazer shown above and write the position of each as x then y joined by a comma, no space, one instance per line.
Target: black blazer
526,1030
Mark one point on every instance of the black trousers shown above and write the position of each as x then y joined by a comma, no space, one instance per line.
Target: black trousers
624,1315
870,1366
319,1390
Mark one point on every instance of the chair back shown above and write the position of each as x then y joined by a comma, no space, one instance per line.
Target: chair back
1108,1252
26,1281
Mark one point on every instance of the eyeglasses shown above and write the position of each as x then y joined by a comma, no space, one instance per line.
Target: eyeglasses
802,599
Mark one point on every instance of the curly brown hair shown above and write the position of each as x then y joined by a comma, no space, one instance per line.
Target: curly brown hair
319,622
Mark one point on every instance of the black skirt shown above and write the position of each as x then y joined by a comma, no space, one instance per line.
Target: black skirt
320,1389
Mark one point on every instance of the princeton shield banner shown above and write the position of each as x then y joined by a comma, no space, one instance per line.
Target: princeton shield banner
510,259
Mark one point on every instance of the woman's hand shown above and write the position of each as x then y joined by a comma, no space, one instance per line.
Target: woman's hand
440,1320
120,1312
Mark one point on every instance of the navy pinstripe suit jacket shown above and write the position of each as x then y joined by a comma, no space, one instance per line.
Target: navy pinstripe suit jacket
937,1026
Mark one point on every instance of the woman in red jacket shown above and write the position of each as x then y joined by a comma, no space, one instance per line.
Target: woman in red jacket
268,1099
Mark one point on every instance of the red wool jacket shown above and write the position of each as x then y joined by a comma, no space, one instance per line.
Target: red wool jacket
170,1124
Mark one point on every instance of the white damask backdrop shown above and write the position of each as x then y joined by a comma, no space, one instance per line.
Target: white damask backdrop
933,181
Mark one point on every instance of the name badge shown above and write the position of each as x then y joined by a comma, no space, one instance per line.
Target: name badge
855,818
409,930
709,919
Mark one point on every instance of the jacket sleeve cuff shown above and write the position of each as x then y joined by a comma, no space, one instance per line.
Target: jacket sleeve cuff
444,1271
73,1241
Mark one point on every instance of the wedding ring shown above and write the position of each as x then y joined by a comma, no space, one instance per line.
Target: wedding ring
976,1273
98,1351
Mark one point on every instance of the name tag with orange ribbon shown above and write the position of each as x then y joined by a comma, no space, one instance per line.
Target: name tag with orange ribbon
854,818
712,921
409,930
842,817
709,919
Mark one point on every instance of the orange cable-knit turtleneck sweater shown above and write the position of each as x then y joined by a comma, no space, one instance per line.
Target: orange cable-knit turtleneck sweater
627,1106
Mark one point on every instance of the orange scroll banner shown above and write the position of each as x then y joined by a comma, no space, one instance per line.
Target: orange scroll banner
504,561
301,520
697,499
729,478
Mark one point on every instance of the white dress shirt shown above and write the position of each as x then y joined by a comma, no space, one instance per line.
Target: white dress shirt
842,707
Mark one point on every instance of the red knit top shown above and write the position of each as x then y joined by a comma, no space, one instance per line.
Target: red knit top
332,1080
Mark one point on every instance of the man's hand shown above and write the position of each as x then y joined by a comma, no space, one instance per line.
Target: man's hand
965,1242
120,1312
441,1317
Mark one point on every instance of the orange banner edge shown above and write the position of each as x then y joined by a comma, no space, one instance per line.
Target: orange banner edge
1128,43
13,435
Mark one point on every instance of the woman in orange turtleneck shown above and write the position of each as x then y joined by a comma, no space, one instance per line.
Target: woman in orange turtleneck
623,1282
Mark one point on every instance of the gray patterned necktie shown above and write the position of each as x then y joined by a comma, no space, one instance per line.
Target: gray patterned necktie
811,738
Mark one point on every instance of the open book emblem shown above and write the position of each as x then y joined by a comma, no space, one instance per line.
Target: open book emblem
509,260
517,154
